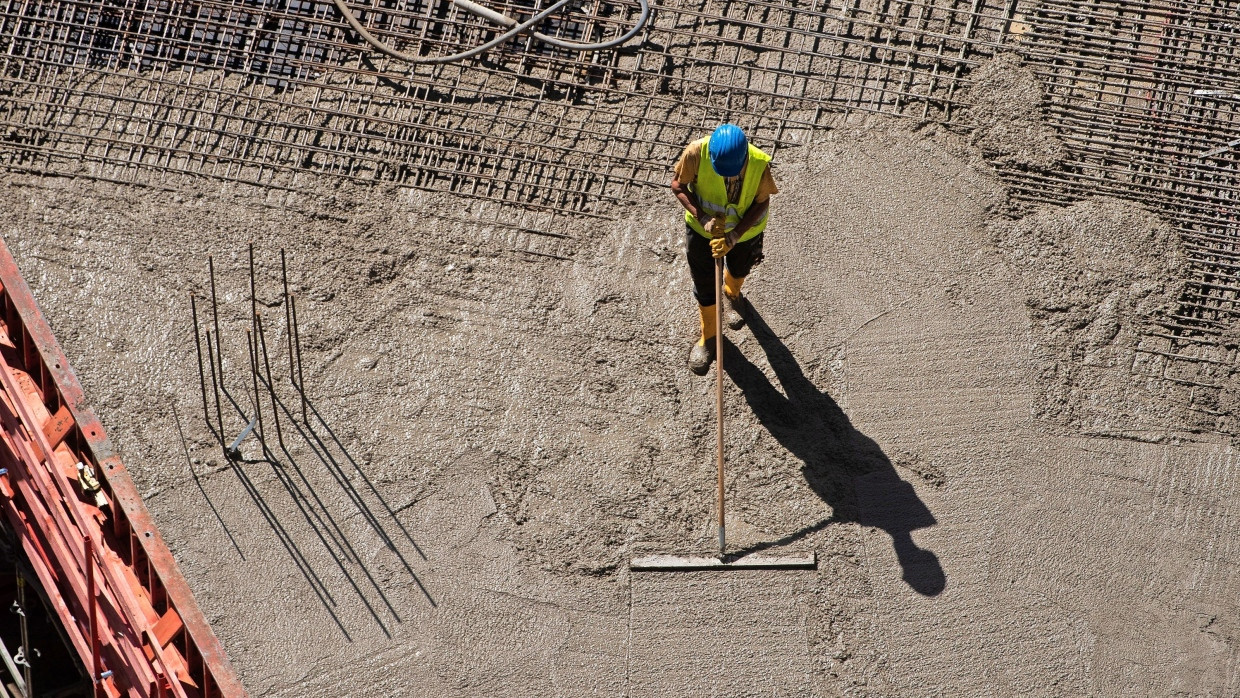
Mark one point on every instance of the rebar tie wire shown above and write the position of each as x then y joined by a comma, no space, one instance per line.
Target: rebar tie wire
515,28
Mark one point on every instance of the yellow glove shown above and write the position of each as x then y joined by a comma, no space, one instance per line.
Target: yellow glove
720,246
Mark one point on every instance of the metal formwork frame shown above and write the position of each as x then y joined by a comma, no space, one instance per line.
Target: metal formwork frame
126,609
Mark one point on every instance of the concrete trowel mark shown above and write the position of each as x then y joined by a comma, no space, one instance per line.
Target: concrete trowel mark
737,634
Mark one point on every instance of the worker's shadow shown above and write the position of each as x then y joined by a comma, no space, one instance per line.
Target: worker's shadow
843,466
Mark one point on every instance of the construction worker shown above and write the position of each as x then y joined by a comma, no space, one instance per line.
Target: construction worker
725,185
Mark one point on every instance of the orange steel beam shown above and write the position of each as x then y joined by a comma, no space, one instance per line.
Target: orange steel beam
125,607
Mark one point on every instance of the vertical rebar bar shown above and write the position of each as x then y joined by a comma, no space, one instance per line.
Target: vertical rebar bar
301,383
271,387
258,408
215,318
253,295
288,318
215,388
202,377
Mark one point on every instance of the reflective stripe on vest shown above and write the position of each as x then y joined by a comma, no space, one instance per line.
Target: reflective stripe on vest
712,192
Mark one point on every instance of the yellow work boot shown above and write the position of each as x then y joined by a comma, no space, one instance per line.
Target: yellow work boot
703,352
735,307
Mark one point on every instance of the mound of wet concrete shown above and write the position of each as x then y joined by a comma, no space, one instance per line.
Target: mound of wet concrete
1004,115
1097,276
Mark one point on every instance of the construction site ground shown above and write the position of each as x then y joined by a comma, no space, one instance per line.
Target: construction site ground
998,506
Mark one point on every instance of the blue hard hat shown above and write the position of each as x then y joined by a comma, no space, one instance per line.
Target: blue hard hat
728,150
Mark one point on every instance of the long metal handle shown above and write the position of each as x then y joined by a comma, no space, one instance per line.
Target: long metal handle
719,389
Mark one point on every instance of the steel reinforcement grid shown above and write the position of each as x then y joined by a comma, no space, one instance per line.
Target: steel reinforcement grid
1146,96
263,90
280,93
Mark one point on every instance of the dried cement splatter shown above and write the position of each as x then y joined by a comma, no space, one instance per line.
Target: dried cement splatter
1005,115
1096,275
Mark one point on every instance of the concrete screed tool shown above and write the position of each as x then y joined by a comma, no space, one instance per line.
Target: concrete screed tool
688,563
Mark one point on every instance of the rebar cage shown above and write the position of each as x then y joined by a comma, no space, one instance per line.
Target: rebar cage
1145,96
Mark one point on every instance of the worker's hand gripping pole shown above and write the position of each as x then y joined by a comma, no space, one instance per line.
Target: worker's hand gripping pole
719,389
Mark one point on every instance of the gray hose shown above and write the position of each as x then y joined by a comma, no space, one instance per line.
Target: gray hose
516,28
507,21
389,51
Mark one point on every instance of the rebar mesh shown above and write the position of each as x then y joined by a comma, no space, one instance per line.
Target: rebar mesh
262,90
1145,96
274,92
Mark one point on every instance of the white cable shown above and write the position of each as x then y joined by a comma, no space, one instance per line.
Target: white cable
516,28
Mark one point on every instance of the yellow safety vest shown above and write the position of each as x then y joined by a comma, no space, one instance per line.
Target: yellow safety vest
712,192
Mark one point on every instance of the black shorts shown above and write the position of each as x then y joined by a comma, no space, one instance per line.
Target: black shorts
739,260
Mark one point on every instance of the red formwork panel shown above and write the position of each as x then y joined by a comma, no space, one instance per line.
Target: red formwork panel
84,528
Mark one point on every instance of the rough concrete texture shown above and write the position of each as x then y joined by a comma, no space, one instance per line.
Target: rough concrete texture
1097,275
1004,115
509,426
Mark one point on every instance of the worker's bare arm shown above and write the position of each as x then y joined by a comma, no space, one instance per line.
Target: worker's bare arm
689,201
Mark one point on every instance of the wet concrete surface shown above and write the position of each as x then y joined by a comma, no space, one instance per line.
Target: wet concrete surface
498,430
